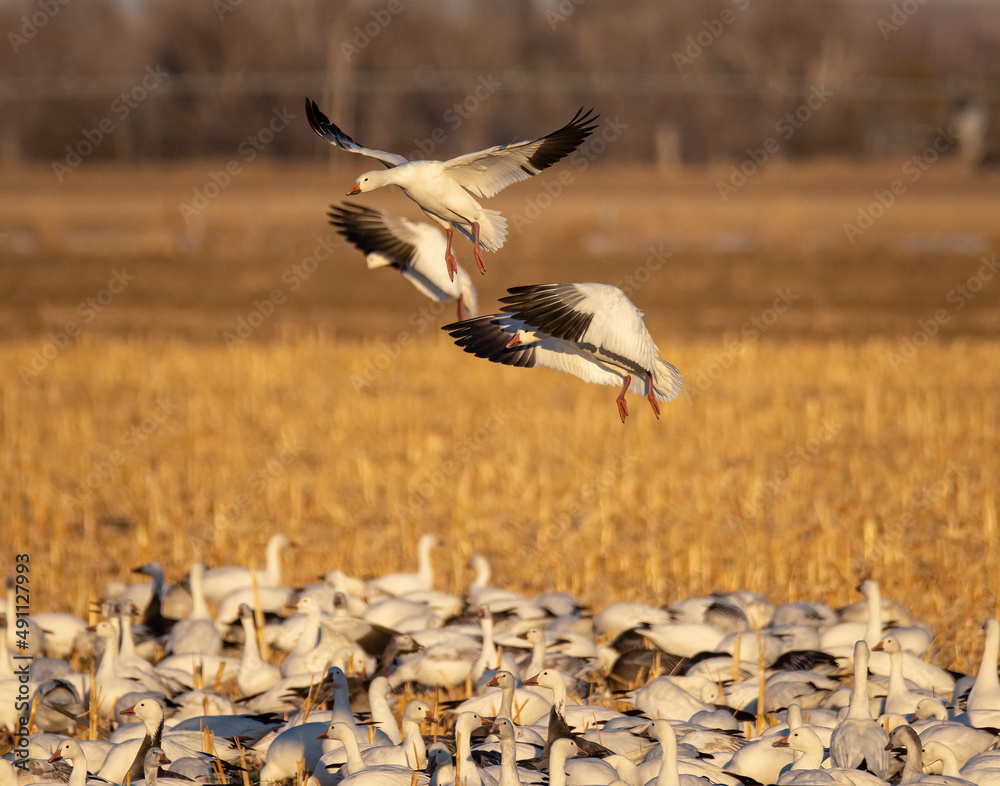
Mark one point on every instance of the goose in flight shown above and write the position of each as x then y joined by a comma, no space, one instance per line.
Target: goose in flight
592,331
411,247
445,190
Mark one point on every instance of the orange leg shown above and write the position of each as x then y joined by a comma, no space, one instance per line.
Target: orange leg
475,247
652,398
463,312
622,404
449,257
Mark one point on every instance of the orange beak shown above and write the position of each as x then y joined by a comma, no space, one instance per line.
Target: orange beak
355,189
55,756
128,711
514,342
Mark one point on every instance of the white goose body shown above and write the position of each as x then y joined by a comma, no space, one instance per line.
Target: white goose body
396,584
858,738
219,582
197,633
592,331
444,189
416,250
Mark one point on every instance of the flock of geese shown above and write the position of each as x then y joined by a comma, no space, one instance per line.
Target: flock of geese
592,331
392,682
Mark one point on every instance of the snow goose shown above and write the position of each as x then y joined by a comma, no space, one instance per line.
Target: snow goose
154,759
71,751
153,619
410,752
592,331
395,584
219,582
302,741
467,771
985,693
614,620
254,675
669,771
109,684
444,189
197,633
899,699
858,740
563,721
414,249
806,770
59,706
356,769
939,758
127,760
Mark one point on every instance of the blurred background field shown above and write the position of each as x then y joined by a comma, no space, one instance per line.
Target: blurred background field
192,359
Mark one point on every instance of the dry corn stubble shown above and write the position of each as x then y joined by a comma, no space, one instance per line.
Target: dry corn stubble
797,473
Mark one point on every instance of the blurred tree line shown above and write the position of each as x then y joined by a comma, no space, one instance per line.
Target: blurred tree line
688,81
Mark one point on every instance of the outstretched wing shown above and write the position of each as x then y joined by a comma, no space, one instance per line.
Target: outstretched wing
489,171
560,310
321,124
413,248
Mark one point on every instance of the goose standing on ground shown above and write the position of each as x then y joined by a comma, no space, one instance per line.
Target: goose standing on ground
985,693
444,189
197,633
254,675
858,740
592,331
219,582
396,584
413,248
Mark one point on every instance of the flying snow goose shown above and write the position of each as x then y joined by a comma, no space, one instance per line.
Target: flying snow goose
444,190
592,331
413,248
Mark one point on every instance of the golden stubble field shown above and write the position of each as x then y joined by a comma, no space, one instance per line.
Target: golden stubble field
840,419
